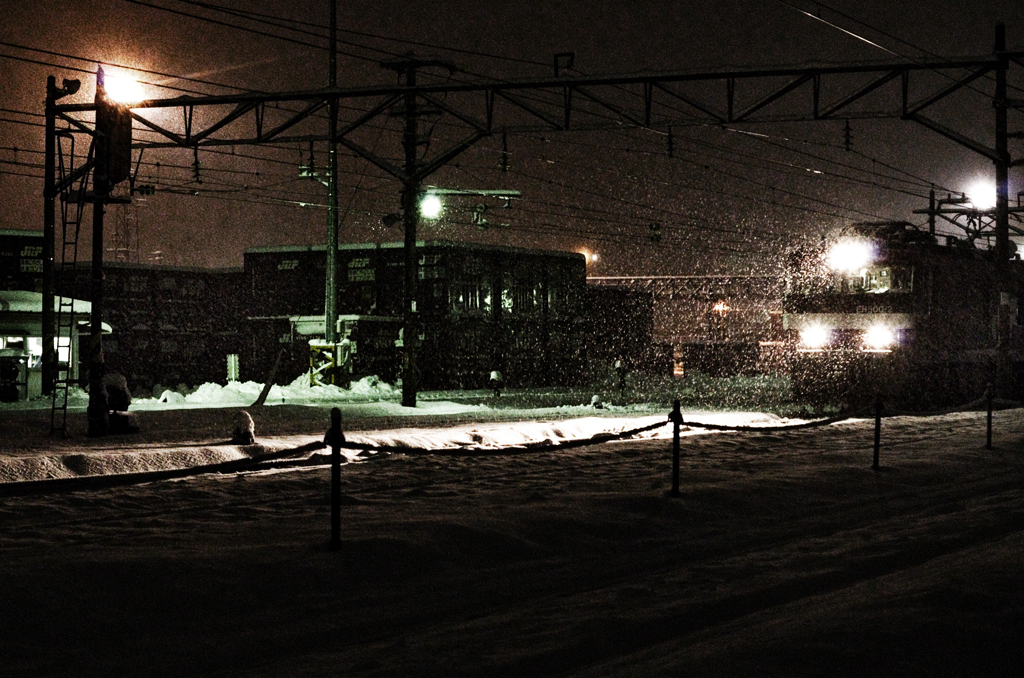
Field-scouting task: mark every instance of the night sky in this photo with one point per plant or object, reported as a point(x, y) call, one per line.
point(727, 200)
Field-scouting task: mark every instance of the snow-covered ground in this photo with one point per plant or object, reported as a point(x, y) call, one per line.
point(193, 428)
point(785, 553)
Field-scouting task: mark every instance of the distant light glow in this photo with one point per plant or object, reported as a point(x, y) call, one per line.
point(721, 307)
point(982, 194)
point(122, 89)
point(879, 338)
point(850, 255)
point(591, 257)
point(814, 336)
point(430, 207)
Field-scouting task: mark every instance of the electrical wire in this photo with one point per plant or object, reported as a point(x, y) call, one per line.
point(922, 183)
point(250, 13)
point(760, 184)
point(248, 30)
point(800, 169)
point(606, 117)
point(912, 60)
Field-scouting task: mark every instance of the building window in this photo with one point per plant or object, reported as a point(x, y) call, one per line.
point(470, 288)
point(522, 290)
point(193, 287)
point(136, 285)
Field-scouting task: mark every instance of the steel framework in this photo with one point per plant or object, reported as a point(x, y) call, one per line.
point(906, 91)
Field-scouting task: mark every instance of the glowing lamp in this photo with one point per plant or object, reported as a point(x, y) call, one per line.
point(982, 195)
point(815, 336)
point(879, 338)
point(850, 255)
point(123, 90)
point(430, 206)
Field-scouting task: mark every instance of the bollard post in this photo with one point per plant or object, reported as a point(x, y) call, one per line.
point(676, 417)
point(334, 437)
point(988, 430)
point(878, 429)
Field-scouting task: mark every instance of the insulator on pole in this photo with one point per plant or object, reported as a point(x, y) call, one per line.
point(504, 163)
point(654, 232)
point(195, 165)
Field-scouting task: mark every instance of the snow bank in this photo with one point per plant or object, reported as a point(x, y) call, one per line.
point(236, 394)
point(491, 436)
point(243, 394)
point(119, 461)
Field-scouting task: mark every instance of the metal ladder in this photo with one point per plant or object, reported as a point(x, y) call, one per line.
point(72, 204)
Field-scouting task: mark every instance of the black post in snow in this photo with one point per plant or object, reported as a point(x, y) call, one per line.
point(988, 429)
point(878, 429)
point(676, 417)
point(335, 438)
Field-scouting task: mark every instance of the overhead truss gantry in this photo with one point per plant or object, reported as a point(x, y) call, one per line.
point(908, 91)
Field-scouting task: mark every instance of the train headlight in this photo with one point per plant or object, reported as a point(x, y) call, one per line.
point(815, 336)
point(879, 338)
point(850, 255)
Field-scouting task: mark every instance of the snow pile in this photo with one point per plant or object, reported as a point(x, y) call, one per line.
point(372, 387)
point(490, 436)
point(243, 394)
point(110, 462)
point(236, 394)
point(498, 436)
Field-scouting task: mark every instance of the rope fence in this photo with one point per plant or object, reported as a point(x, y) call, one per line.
point(676, 418)
point(335, 440)
point(595, 439)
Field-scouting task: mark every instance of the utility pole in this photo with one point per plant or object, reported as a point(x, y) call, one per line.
point(411, 175)
point(97, 408)
point(931, 212)
point(113, 154)
point(410, 220)
point(331, 303)
point(1003, 154)
point(49, 358)
point(1004, 371)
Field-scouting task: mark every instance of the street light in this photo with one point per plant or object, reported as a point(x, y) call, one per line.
point(123, 90)
point(431, 206)
point(982, 194)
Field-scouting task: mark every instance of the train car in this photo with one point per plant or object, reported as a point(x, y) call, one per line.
point(479, 307)
point(169, 324)
point(887, 309)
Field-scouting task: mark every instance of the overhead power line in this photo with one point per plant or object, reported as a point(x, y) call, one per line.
point(92, 71)
point(249, 13)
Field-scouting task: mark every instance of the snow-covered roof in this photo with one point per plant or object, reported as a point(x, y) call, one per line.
point(20, 301)
point(419, 243)
point(19, 232)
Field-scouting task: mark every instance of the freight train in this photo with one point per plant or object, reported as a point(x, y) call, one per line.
point(888, 309)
